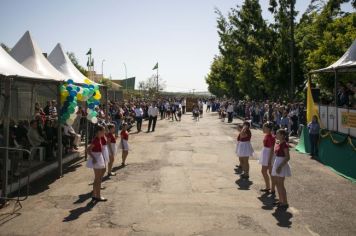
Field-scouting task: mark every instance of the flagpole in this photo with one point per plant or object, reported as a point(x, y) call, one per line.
point(157, 81)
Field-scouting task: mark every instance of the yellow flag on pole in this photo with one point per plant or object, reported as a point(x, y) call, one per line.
point(312, 109)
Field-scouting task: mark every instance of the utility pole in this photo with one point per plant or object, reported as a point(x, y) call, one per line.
point(125, 76)
point(292, 3)
point(157, 82)
point(102, 67)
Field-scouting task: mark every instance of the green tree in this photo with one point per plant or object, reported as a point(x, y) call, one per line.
point(75, 62)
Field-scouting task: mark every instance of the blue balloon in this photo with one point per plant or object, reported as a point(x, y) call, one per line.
point(85, 86)
point(69, 88)
point(78, 89)
point(70, 98)
point(91, 106)
point(97, 103)
point(91, 86)
point(72, 93)
point(70, 81)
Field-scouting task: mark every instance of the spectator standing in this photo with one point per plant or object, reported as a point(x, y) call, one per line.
point(152, 117)
point(314, 129)
point(184, 105)
point(138, 116)
point(230, 112)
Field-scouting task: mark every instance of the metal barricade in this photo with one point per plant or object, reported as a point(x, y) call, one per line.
point(14, 175)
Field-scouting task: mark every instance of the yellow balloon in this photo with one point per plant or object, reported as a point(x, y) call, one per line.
point(80, 97)
point(97, 96)
point(87, 81)
point(65, 94)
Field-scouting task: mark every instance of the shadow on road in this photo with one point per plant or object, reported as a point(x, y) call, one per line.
point(76, 213)
point(116, 168)
point(244, 184)
point(283, 217)
point(6, 217)
point(83, 197)
point(267, 201)
point(42, 184)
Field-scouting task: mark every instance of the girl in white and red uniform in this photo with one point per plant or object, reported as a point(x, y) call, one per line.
point(97, 163)
point(239, 129)
point(281, 168)
point(266, 158)
point(124, 143)
point(244, 149)
point(111, 142)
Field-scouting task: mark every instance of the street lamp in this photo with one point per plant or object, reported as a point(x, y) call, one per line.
point(102, 67)
point(125, 75)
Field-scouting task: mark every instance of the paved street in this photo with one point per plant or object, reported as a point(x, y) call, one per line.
point(180, 180)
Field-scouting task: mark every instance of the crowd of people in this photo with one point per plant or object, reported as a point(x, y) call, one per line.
point(346, 95)
point(283, 115)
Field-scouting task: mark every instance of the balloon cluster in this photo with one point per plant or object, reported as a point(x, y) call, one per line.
point(71, 94)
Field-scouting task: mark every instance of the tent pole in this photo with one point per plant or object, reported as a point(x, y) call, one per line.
point(336, 105)
point(86, 138)
point(106, 104)
point(31, 107)
point(59, 132)
point(7, 110)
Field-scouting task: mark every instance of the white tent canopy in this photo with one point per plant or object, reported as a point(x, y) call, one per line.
point(27, 53)
point(346, 63)
point(60, 60)
point(10, 67)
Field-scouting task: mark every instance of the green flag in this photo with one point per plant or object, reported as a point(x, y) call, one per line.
point(89, 52)
point(88, 62)
point(92, 62)
point(156, 66)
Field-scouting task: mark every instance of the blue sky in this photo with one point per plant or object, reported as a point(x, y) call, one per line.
point(180, 35)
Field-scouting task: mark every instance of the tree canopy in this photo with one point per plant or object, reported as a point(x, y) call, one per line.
point(255, 55)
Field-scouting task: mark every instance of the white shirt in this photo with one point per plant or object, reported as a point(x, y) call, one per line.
point(138, 112)
point(230, 108)
point(184, 102)
point(68, 130)
point(152, 111)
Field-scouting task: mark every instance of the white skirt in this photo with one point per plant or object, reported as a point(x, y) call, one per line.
point(99, 164)
point(285, 172)
point(244, 149)
point(124, 145)
point(113, 149)
point(265, 156)
point(105, 151)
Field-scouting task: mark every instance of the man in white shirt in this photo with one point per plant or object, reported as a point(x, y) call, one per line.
point(72, 135)
point(152, 117)
point(184, 104)
point(230, 111)
point(138, 115)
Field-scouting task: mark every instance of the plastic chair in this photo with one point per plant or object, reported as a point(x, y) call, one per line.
point(42, 152)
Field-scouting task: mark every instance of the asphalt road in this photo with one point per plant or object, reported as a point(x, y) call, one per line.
point(180, 180)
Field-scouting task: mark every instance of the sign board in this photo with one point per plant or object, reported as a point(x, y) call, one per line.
point(348, 119)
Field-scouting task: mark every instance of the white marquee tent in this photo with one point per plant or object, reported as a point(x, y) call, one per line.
point(346, 63)
point(10, 67)
point(27, 53)
point(60, 60)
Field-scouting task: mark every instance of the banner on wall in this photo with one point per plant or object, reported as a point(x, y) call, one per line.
point(348, 120)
